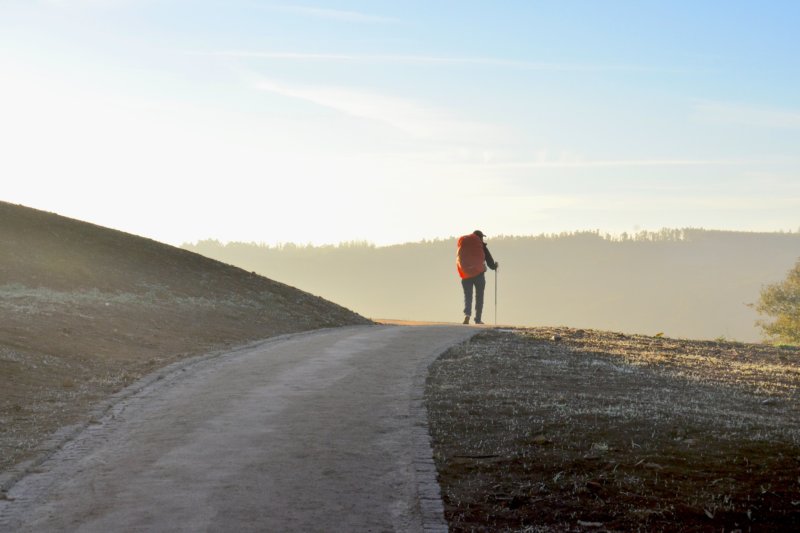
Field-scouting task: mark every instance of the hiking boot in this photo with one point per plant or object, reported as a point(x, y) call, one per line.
point(478, 321)
point(466, 320)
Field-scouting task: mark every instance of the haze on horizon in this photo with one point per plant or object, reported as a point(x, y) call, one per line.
point(388, 122)
point(695, 284)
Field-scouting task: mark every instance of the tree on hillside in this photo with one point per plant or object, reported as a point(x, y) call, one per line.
point(782, 301)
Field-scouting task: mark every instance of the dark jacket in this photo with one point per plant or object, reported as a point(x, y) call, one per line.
point(489, 259)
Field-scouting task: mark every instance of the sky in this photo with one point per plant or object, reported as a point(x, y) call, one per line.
point(322, 122)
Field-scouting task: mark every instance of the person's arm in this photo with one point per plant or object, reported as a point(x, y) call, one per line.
point(490, 262)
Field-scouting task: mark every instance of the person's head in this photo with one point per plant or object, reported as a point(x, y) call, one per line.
point(479, 233)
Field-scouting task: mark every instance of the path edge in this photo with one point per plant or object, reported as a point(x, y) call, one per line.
point(429, 494)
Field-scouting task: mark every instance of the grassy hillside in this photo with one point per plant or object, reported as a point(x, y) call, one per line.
point(685, 283)
point(85, 310)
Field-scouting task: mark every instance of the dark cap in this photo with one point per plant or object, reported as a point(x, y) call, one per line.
point(479, 233)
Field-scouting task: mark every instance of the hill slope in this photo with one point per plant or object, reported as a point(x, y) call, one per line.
point(85, 310)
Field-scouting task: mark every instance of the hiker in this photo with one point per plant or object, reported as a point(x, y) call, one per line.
point(471, 260)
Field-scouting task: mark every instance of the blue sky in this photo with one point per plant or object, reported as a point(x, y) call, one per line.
point(321, 122)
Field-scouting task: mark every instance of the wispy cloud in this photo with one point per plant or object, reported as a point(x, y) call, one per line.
point(610, 163)
point(763, 117)
point(86, 3)
point(400, 113)
point(332, 14)
point(704, 203)
point(432, 60)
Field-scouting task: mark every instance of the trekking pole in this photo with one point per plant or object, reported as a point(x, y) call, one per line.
point(495, 296)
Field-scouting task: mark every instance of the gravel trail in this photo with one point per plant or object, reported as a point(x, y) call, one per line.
point(312, 432)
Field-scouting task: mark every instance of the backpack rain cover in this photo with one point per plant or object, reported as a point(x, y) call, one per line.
point(470, 258)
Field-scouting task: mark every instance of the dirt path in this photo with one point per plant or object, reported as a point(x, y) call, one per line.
point(307, 433)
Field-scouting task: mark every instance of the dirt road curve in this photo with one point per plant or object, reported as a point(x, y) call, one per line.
point(314, 432)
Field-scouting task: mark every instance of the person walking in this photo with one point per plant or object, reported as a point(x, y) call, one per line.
point(472, 258)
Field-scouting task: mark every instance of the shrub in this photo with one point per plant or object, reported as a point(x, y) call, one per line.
point(782, 301)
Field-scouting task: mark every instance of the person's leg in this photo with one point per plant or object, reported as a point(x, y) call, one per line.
point(480, 285)
point(467, 285)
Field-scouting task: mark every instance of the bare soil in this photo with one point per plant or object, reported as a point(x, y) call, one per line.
point(86, 310)
point(557, 429)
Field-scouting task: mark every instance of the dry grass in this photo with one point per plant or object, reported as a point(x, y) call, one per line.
point(571, 430)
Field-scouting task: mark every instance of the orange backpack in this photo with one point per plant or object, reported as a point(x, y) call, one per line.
point(470, 258)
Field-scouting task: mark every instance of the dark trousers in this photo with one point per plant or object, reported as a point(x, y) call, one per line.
point(479, 282)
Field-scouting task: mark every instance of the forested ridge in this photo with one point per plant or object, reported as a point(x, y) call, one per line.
point(692, 283)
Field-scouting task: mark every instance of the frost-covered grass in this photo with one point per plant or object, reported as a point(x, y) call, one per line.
point(554, 428)
point(17, 298)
